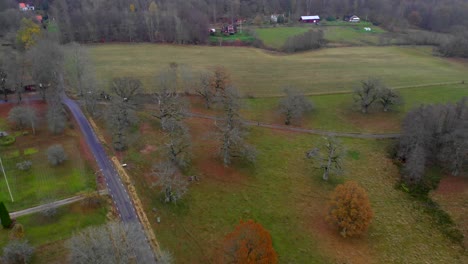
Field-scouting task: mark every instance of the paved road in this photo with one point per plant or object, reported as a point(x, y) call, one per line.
point(117, 190)
point(119, 194)
point(305, 130)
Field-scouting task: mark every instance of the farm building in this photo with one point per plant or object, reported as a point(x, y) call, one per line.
point(310, 19)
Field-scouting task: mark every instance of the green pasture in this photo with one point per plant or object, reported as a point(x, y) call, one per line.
point(335, 32)
point(41, 230)
point(43, 182)
point(353, 35)
point(338, 112)
point(260, 73)
point(287, 196)
point(277, 36)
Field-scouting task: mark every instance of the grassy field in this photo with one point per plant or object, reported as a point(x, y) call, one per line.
point(353, 35)
point(276, 37)
point(336, 33)
point(48, 235)
point(43, 183)
point(338, 112)
point(260, 73)
point(288, 198)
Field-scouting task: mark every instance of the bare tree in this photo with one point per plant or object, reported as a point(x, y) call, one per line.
point(178, 146)
point(367, 94)
point(437, 135)
point(231, 131)
point(121, 114)
point(56, 118)
point(23, 116)
point(204, 89)
point(14, 67)
point(127, 89)
point(16, 252)
point(171, 181)
point(47, 64)
point(112, 243)
point(56, 154)
point(328, 158)
point(220, 80)
point(80, 73)
point(170, 105)
point(294, 105)
point(388, 98)
point(3, 82)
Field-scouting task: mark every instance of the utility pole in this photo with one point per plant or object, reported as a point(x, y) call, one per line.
point(6, 180)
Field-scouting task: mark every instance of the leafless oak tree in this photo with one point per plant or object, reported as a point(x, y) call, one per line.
point(328, 158)
point(367, 94)
point(231, 131)
point(112, 243)
point(171, 181)
point(294, 105)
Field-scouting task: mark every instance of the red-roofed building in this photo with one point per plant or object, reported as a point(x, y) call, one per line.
point(25, 7)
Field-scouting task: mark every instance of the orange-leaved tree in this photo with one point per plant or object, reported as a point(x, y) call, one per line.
point(350, 209)
point(249, 243)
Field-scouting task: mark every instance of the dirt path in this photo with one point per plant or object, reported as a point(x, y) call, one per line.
point(305, 130)
point(55, 204)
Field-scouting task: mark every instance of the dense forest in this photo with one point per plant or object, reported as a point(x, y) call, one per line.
point(187, 21)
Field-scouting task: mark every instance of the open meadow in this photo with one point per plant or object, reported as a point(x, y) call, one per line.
point(337, 34)
point(287, 196)
point(261, 73)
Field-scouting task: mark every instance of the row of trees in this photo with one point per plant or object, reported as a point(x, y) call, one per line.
point(187, 21)
point(434, 135)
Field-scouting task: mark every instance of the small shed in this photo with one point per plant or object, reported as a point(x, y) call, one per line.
point(3, 134)
point(310, 19)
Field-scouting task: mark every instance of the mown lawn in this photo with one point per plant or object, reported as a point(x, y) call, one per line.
point(43, 182)
point(335, 32)
point(353, 35)
point(276, 37)
point(260, 73)
point(52, 233)
point(338, 112)
point(287, 196)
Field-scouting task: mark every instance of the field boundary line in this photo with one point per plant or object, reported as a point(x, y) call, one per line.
point(305, 130)
point(350, 91)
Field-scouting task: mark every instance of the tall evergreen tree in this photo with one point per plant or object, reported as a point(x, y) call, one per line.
point(5, 216)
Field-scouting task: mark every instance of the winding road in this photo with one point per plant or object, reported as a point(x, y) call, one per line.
point(118, 192)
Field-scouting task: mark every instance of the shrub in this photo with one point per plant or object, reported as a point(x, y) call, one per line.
point(7, 140)
point(307, 41)
point(56, 155)
point(17, 252)
point(331, 18)
point(350, 209)
point(248, 243)
point(17, 232)
point(24, 166)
